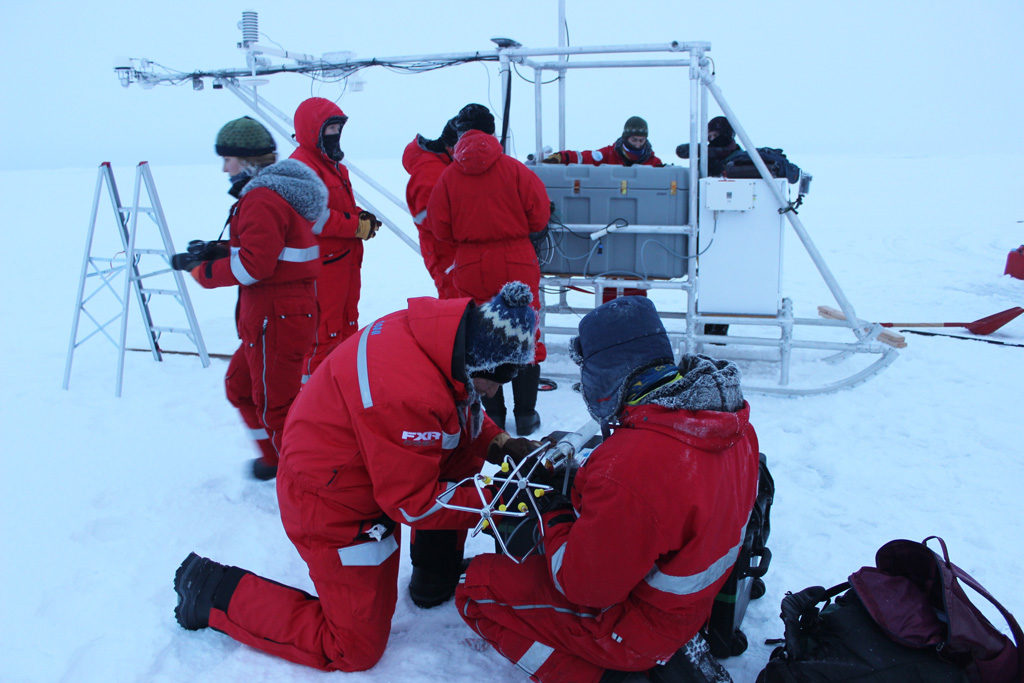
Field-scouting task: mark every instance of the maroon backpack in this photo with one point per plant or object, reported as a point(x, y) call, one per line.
point(906, 619)
point(915, 597)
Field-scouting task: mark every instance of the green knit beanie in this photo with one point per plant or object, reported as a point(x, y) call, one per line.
point(634, 126)
point(244, 137)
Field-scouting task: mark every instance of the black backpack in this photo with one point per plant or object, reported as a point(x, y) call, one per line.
point(908, 619)
point(739, 165)
point(746, 582)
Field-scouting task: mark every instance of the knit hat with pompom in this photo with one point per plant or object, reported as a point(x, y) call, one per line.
point(501, 331)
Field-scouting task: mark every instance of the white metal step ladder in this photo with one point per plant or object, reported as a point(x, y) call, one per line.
point(106, 270)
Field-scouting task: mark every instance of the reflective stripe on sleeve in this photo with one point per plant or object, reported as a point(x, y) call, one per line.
point(420, 217)
point(258, 434)
point(443, 498)
point(369, 554)
point(450, 441)
point(556, 565)
point(694, 583)
point(597, 155)
point(535, 657)
point(238, 270)
point(293, 255)
point(361, 371)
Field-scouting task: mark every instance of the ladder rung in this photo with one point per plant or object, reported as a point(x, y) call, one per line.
point(177, 330)
point(150, 251)
point(140, 209)
point(172, 292)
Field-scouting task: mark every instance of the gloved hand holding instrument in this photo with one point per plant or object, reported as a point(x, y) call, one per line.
point(200, 251)
point(522, 493)
point(368, 226)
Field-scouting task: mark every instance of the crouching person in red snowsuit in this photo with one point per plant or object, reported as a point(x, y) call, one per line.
point(425, 160)
point(632, 563)
point(374, 439)
point(318, 124)
point(272, 256)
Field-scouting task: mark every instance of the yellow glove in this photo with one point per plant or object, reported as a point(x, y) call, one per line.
point(555, 158)
point(368, 226)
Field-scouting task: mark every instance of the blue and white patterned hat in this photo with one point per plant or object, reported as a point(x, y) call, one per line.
point(501, 331)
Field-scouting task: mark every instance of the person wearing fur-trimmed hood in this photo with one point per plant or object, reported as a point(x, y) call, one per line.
point(632, 560)
point(273, 259)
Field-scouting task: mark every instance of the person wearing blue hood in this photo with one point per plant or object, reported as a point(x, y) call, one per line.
point(633, 558)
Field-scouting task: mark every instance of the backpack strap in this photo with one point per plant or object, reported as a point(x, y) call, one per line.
point(959, 573)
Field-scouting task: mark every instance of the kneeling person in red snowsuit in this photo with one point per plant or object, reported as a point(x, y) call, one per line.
point(272, 256)
point(375, 437)
point(632, 563)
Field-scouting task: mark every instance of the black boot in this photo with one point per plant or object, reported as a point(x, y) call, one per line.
point(495, 407)
point(693, 663)
point(524, 392)
point(437, 565)
point(262, 471)
point(202, 584)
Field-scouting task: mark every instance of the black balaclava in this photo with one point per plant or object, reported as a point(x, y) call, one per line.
point(331, 144)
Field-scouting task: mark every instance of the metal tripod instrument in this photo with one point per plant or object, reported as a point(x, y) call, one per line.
point(517, 492)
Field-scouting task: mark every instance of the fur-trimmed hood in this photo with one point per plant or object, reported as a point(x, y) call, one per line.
point(704, 384)
point(296, 183)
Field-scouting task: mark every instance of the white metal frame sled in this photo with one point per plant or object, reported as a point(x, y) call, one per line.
point(704, 228)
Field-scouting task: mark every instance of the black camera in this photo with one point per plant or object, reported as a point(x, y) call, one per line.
point(199, 251)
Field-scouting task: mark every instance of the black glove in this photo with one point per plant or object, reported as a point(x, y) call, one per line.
point(368, 226)
point(199, 251)
point(185, 261)
point(683, 151)
point(503, 445)
point(555, 509)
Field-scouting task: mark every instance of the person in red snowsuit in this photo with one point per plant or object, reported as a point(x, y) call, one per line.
point(487, 205)
point(632, 563)
point(375, 438)
point(273, 258)
point(632, 148)
point(318, 124)
point(425, 160)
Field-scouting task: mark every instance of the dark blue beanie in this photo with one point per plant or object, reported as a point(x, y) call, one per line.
point(617, 340)
point(474, 117)
point(501, 331)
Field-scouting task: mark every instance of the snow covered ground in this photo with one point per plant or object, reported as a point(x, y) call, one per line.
point(101, 497)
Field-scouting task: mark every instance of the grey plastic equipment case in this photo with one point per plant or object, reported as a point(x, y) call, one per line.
point(588, 198)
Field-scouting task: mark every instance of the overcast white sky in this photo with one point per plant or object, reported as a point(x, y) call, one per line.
point(911, 74)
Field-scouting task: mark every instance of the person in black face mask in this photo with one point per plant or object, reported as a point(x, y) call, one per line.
point(318, 125)
point(721, 144)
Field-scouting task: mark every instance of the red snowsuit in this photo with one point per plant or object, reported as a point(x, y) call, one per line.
point(605, 155)
point(274, 260)
point(662, 505)
point(369, 439)
point(341, 252)
point(487, 204)
point(424, 169)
